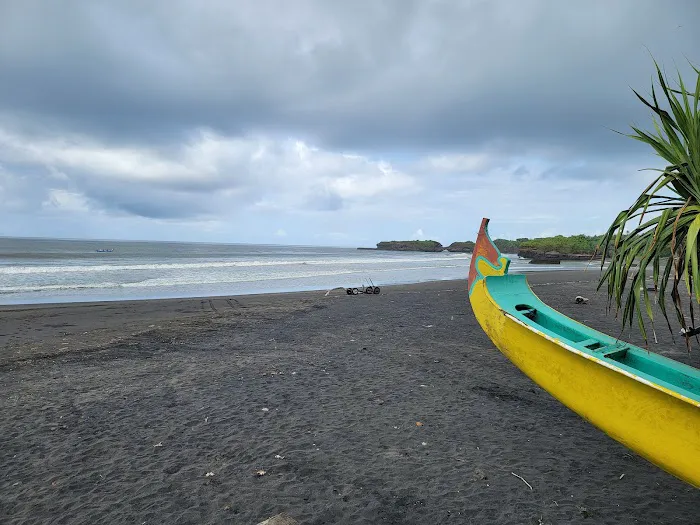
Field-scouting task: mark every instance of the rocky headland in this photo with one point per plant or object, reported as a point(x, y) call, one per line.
point(423, 246)
point(536, 256)
point(553, 257)
point(410, 246)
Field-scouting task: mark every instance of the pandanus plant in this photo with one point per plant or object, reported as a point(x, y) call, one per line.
point(665, 218)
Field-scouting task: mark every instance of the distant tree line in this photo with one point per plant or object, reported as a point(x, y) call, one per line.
point(574, 244)
point(507, 246)
point(585, 244)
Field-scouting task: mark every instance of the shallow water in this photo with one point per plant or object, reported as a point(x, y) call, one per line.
point(50, 270)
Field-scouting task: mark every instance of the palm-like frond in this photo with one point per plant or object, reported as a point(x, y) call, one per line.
point(665, 238)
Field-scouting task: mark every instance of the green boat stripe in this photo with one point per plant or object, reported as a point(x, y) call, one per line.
point(514, 296)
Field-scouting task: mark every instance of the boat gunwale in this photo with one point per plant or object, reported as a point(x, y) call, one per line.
point(658, 384)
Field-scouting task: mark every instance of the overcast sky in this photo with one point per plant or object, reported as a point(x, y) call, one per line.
point(327, 122)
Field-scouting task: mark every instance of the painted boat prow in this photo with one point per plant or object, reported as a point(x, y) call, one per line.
point(649, 403)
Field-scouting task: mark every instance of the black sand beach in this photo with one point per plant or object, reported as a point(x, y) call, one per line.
point(164, 411)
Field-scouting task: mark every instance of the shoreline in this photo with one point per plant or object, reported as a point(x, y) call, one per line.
point(49, 303)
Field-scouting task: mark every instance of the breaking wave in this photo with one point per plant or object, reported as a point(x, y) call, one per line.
point(84, 268)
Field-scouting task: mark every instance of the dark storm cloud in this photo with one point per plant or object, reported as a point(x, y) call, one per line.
point(400, 75)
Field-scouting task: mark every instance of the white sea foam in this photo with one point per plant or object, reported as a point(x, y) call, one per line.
point(83, 268)
point(55, 287)
point(189, 279)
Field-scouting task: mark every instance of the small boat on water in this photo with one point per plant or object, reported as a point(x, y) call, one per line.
point(647, 402)
point(104, 250)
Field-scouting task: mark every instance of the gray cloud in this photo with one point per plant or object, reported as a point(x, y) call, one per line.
point(390, 75)
point(166, 111)
point(323, 199)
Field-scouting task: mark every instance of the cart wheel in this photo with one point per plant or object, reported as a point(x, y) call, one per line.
point(376, 290)
point(349, 291)
point(369, 290)
point(355, 291)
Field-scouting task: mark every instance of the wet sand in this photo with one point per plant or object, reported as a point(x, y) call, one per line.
point(164, 411)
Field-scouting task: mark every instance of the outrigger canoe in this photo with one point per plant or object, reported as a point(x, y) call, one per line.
point(649, 403)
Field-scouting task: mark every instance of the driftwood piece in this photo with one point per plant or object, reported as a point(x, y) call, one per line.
point(280, 519)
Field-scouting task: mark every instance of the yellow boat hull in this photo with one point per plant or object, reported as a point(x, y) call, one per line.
point(658, 423)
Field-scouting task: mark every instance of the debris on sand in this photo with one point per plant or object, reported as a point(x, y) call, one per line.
point(581, 300)
point(523, 479)
point(280, 519)
point(480, 474)
point(690, 332)
point(260, 473)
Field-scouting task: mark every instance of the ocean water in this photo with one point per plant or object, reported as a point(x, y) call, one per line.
point(50, 270)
